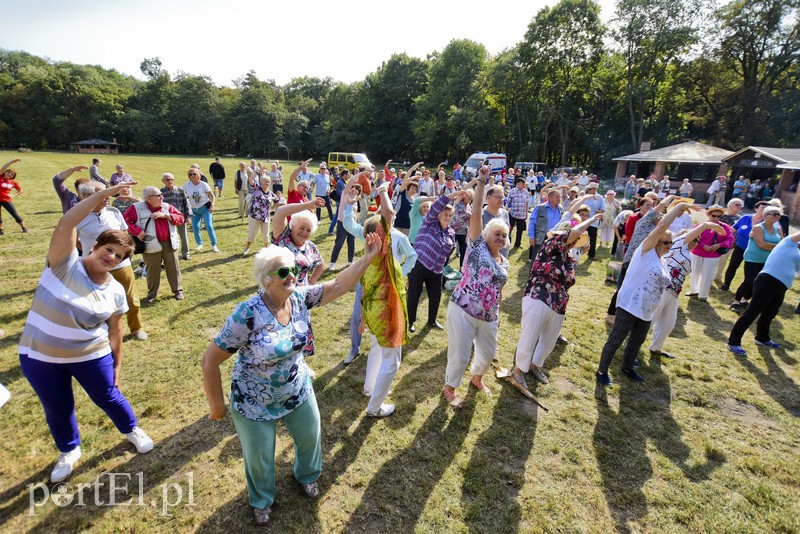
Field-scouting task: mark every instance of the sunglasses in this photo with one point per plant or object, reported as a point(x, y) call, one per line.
point(666, 242)
point(190, 174)
point(159, 196)
point(284, 272)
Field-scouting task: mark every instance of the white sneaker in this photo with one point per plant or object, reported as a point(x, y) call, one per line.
point(385, 411)
point(350, 358)
point(332, 267)
point(141, 440)
point(215, 249)
point(198, 248)
point(246, 251)
point(63, 468)
point(141, 335)
point(540, 376)
point(4, 395)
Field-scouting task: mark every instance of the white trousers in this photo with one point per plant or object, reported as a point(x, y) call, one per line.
point(723, 261)
point(702, 274)
point(664, 320)
point(606, 234)
point(540, 329)
point(382, 365)
point(253, 226)
point(463, 333)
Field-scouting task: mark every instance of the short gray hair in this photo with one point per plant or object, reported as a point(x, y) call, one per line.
point(87, 189)
point(267, 260)
point(168, 175)
point(733, 201)
point(306, 216)
point(492, 225)
point(772, 209)
point(150, 190)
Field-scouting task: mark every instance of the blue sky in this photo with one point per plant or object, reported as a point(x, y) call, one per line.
point(279, 40)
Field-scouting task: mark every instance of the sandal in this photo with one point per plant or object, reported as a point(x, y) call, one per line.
point(311, 490)
point(262, 515)
point(451, 399)
point(483, 388)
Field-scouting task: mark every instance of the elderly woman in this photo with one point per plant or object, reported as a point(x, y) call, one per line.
point(462, 214)
point(7, 183)
point(434, 243)
point(544, 303)
point(120, 176)
point(473, 313)
point(73, 330)
point(612, 209)
point(295, 237)
point(706, 255)
point(742, 228)
point(258, 211)
point(404, 196)
point(201, 200)
point(764, 237)
point(686, 188)
point(270, 381)
point(155, 222)
point(104, 217)
point(639, 297)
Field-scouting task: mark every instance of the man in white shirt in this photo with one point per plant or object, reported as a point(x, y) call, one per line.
point(716, 192)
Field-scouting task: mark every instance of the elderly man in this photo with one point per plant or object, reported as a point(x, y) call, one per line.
point(120, 176)
point(102, 218)
point(596, 206)
point(544, 218)
point(201, 200)
point(517, 202)
point(176, 197)
point(297, 191)
point(154, 222)
point(716, 192)
point(322, 186)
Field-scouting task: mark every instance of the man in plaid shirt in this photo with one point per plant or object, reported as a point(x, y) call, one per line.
point(176, 197)
point(517, 203)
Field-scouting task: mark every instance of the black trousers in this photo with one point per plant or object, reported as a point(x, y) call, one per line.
point(9, 206)
point(418, 276)
point(612, 306)
point(736, 259)
point(327, 205)
point(520, 225)
point(592, 231)
point(745, 289)
point(461, 241)
point(614, 245)
point(768, 293)
point(341, 236)
point(625, 323)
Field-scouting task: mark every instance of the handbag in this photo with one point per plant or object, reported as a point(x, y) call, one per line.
point(721, 250)
point(140, 245)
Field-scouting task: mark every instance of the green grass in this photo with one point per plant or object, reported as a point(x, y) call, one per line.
point(708, 443)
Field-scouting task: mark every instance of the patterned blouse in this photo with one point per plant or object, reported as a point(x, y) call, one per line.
point(307, 257)
point(478, 291)
point(552, 274)
point(270, 378)
point(461, 215)
point(260, 203)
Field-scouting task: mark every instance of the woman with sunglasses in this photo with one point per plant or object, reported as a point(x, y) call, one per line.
point(7, 183)
point(638, 298)
point(679, 262)
point(201, 200)
point(706, 254)
point(764, 237)
point(272, 334)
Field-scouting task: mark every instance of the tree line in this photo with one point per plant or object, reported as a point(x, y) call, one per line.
point(573, 91)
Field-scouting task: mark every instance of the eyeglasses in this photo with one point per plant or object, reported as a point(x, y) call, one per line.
point(159, 196)
point(773, 214)
point(284, 272)
point(190, 174)
point(168, 179)
point(714, 216)
point(666, 242)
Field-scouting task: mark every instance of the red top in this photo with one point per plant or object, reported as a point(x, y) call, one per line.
point(5, 188)
point(293, 197)
point(162, 225)
point(630, 226)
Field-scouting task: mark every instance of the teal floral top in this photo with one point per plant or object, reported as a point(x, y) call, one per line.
point(270, 378)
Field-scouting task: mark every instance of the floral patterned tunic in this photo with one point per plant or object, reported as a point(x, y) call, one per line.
point(260, 203)
point(461, 215)
point(552, 274)
point(307, 257)
point(270, 377)
point(482, 280)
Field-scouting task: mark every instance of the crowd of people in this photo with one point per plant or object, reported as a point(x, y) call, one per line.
point(413, 226)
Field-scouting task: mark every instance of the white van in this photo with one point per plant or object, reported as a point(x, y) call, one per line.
point(496, 160)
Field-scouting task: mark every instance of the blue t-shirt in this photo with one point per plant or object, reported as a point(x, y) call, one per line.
point(783, 262)
point(743, 228)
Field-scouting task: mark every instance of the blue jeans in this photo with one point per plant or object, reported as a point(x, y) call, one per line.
point(355, 321)
point(52, 382)
point(205, 214)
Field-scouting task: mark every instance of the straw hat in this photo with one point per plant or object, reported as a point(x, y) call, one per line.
point(714, 208)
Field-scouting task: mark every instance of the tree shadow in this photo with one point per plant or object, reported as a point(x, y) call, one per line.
point(620, 441)
point(411, 476)
point(714, 326)
point(775, 383)
point(496, 471)
point(233, 296)
point(212, 263)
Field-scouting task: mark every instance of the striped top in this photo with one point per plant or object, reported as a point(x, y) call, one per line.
point(67, 320)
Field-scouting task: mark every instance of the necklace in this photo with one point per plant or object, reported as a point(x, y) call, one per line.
point(274, 311)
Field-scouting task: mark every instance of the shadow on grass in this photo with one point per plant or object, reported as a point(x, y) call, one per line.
point(208, 264)
point(714, 326)
point(496, 471)
point(169, 457)
point(234, 296)
point(775, 382)
point(22, 293)
point(620, 441)
point(411, 476)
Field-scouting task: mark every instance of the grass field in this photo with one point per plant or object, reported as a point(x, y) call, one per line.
point(710, 443)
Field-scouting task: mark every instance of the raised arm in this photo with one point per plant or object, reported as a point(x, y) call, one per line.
point(663, 225)
point(64, 236)
point(293, 177)
point(577, 230)
point(386, 205)
point(9, 164)
point(695, 232)
point(346, 280)
point(279, 221)
point(577, 203)
point(476, 219)
point(63, 175)
point(407, 177)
